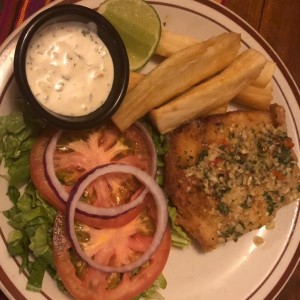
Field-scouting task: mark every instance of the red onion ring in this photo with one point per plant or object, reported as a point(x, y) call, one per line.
point(151, 145)
point(50, 175)
point(158, 196)
point(85, 208)
point(61, 193)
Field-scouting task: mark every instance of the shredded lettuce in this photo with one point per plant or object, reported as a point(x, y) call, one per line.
point(179, 238)
point(17, 136)
point(30, 216)
point(32, 219)
point(152, 293)
point(161, 147)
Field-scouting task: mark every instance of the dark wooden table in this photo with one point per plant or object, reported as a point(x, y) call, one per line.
point(279, 23)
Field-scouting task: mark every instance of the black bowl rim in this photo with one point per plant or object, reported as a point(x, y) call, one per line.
point(115, 46)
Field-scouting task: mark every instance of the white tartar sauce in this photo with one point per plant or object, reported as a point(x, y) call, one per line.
point(69, 69)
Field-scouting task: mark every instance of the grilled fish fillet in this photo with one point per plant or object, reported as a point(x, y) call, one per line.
point(230, 173)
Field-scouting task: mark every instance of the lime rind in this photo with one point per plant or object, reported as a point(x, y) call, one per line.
point(136, 11)
point(138, 24)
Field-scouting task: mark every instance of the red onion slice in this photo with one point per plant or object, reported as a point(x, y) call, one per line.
point(151, 145)
point(62, 194)
point(158, 196)
point(53, 181)
point(85, 208)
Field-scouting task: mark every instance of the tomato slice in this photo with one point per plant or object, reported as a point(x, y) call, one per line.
point(80, 151)
point(113, 246)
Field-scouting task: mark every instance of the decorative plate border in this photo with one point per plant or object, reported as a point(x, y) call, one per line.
point(7, 282)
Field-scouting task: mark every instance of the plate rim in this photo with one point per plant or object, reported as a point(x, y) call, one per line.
point(11, 290)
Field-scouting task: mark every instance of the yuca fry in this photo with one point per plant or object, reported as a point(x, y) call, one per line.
point(218, 110)
point(171, 42)
point(213, 93)
point(255, 97)
point(134, 79)
point(176, 74)
point(268, 87)
point(266, 75)
point(252, 96)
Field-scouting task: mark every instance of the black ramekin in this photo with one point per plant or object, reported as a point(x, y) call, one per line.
point(113, 42)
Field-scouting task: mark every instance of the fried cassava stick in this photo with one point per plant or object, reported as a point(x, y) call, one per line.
point(256, 97)
point(211, 94)
point(176, 74)
point(265, 76)
point(171, 42)
point(135, 78)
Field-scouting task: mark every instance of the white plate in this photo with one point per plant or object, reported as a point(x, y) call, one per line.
point(234, 271)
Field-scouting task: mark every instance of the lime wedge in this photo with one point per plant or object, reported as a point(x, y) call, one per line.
point(139, 26)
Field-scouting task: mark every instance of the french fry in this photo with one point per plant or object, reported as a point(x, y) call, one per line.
point(213, 93)
point(171, 42)
point(256, 97)
point(266, 75)
point(176, 74)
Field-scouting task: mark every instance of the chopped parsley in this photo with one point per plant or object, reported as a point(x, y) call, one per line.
point(223, 208)
point(247, 202)
point(203, 154)
point(271, 204)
